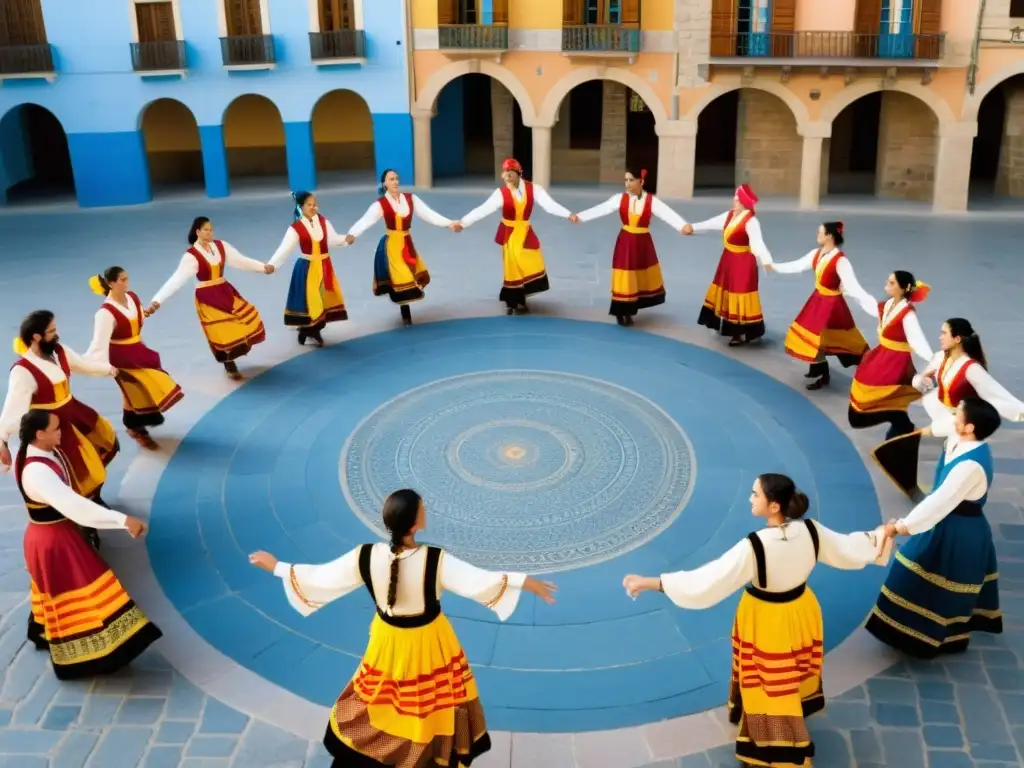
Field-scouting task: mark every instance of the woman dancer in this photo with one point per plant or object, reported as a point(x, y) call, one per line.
point(412, 649)
point(778, 634)
point(732, 305)
point(146, 388)
point(314, 295)
point(883, 384)
point(398, 269)
point(958, 371)
point(636, 272)
point(231, 324)
point(825, 325)
point(522, 260)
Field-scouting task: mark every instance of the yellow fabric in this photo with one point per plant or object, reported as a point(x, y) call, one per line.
point(518, 263)
point(96, 285)
point(823, 264)
point(225, 330)
point(19, 347)
point(633, 229)
point(628, 285)
point(738, 308)
point(147, 390)
point(402, 277)
point(734, 224)
point(806, 346)
point(208, 283)
point(102, 438)
point(868, 399)
point(315, 284)
point(131, 340)
point(895, 346)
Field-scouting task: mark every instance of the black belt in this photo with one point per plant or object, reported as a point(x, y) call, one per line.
point(776, 597)
point(967, 509)
point(409, 622)
point(45, 515)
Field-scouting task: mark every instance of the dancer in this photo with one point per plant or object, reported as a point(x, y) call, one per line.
point(825, 325)
point(231, 324)
point(777, 636)
point(944, 583)
point(732, 305)
point(147, 390)
point(413, 649)
point(882, 387)
point(80, 612)
point(398, 269)
point(959, 370)
point(636, 272)
point(314, 295)
point(522, 260)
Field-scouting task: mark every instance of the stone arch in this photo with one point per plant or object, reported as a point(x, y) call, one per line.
point(973, 102)
point(797, 107)
point(561, 89)
point(35, 158)
point(437, 81)
point(830, 110)
point(174, 150)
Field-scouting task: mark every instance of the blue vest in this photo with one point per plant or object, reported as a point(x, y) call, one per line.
point(981, 454)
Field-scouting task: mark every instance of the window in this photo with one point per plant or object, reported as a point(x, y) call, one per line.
point(244, 18)
point(1017, 9)
point(155, 22)
point(21, 23)
point(602, 12)
point(337, 14)
point(468, 12)
point(897, 17)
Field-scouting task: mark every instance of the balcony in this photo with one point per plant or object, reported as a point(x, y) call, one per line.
point(158, 57)
point(601, 41)
point(339, 46)
point(248, 51)
point(826, 49)
point(472, 40)
point(26, 61)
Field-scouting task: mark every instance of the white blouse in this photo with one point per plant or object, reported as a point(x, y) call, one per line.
point(188, 267)
point(291, 240)
point(965, 482)
point(753, 228)
point(636, 206)
point(789, 561)
point(21, 385)
point(497, 200)
point(848, 280)
point(103, 327)
point(401, 208)
point(321, 584)
point(911, 325)
point(44, 486)
point(943, 420)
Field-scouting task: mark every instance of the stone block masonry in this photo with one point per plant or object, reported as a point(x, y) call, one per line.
point(502, 123)
point(613, 132)
point(907, 143)
point(693, 40)
point(769, 152)
point(1010, 177)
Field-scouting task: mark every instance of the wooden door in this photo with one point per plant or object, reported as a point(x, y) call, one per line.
point(155, 22)
point(336, 15)
point(572, 13)
point(723, 27)
point(783, 28)
point(244, 18)
point(928, 25)
point(21, 23)
point(629, 13)
point(866, 26)
point(499, 12)
point(447, 12)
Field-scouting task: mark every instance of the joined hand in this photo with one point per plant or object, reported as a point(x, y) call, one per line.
point(349, 239)
point(456, 226)
point(574, 218)
point(268, 269)
point(687, 229)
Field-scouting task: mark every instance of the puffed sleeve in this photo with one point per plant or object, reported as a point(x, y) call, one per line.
point(187, 269)
point(850, 551)
point(103, 327)
point(236, 259)
point(311, 587)
point(966, 481)
point(20, 389)
point(498, 591)
point(284, 250)
point(796, 266)
point(486, 208)
point(608, 207)
point(712, 583)
point(41, 484)
point(1009, 407)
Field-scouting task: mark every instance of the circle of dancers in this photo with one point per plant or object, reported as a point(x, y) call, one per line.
point(413, 700)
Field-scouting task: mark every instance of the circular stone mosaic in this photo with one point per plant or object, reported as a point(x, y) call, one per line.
point(533, 471)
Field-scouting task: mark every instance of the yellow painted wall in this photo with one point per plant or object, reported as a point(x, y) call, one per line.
point(169, 126)
point(253, 121)
point(657, 15)
point(341, 117)
point(424, 14)
point(535, 14)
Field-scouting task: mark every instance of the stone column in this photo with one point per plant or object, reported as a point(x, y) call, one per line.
point(677, 151)
point(542, 155)
point(502, 117)
point(423, 158)
point(613, 132)
point(953, 166)
point(814, 135)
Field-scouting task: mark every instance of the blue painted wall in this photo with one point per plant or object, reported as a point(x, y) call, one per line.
point(15, 161)
point(447, 134)
point(99, 99)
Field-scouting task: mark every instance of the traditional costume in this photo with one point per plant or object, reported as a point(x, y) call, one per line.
point(147, 389)
point(398, 269)
point(636, 272)
point(949, 381)
point(732, 305)
point(231, 324)
point(413, 700)
point(87, 439)
point(944, 582)
point(883, 384)
point(314, 294)
point(524, 273)
point(777, 637)
point(80, 612)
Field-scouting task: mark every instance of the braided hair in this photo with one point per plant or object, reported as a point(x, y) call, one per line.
point(401, 510)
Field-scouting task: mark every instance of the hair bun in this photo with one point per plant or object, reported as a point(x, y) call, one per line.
point(798, 506)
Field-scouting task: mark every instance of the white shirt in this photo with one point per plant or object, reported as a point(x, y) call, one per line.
point(44, 486)
point(911, 325)
point(321, 584)
point(848, 280)
point(21, 385)
point(104, 324)
point(188, 267)
point(636, 206)
point(965, 482)
point(497, 200)
point(944, 420)
point(316, 232)
point(789, 560)
point(753, 229)
point(401, 208)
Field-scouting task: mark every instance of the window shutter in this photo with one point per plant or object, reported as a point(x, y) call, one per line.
point(499, 11)
point(783, 28)
point(723, 27)
point(447, 12)
point(165, 22)
point(928, 25)
point(868, 20)
point(630, 12)
point(23, 22)
point(572, 13)
point(253, 18)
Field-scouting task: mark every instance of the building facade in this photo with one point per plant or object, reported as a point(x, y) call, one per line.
point(123, 97)
point(906, 99)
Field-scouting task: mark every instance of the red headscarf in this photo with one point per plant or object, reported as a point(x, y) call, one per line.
point(919, 292)
point(746, 197)
point(511, 164)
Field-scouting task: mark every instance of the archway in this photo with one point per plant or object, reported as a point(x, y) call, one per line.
point(35, 162)
point(748, 136)
point(884, 144)
point(343, 137)
point(254, 139)
point(477, 125)
point(173, 148)
point(997, 162)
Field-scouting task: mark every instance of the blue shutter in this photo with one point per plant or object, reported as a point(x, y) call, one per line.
point(896, 34)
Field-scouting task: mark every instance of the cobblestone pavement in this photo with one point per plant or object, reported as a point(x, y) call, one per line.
point(967, 711)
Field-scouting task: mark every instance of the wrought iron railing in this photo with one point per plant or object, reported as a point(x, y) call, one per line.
point(158, 56)
point(239, 50)
point(473, 37)
point(337, 44)
point(600, 38)
point(828, 45)
point(26, 59)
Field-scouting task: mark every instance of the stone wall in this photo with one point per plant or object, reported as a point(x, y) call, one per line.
point(613, 132)
point(1010, 176)
point(604, 165)
point(907, 144)
point(769, 151)
point(693, 40)
point(502, 123)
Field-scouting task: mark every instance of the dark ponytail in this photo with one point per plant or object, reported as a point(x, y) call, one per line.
point(401, 510)
point(834, 229)
point(781, 490)
point(32, 423)
point(197, 223)
point(381, 189)
point(970, 342)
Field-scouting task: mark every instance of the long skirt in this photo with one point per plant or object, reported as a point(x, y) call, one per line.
point(943, 585)
point(146, 388)
point(899, 459)
point(825, 327)
point(777, 653)
point(80, 612)
point(882, 388)
point(231, 324)
point(732, 305)
point(413, 703)
point(523, 270)
point(636, 274)
point(89, 442)
point(314, 295)
point(392, 274)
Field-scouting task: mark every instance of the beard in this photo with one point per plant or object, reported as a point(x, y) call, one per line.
point(48, 348)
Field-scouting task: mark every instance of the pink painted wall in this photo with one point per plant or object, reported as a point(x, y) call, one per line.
point(825, 15)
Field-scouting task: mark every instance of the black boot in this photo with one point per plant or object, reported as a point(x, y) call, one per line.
point(510, 308)
point(821, 372)
point(302, 337)
point(901, 425)
point(406, 315)
point(232, 370)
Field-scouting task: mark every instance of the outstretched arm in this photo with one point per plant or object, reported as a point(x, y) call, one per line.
point(666, 214)
point(852, 287)
point(796, 266)
point(608, 207)
point(498, 591)
point(915, 337)
point(1009, 407)
point(103, 327)
point(706, 586)
point(757, 244)
point(853, 551)
point(42, 485)
point(965, 481)
point(87, 366)
point(310, 587)
point(423, 211)
point(545, 201)
point(714, 224)
point(187, 269)
point(372, 216)
point(284, 250)
point(486, 208)
point(237, 260)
